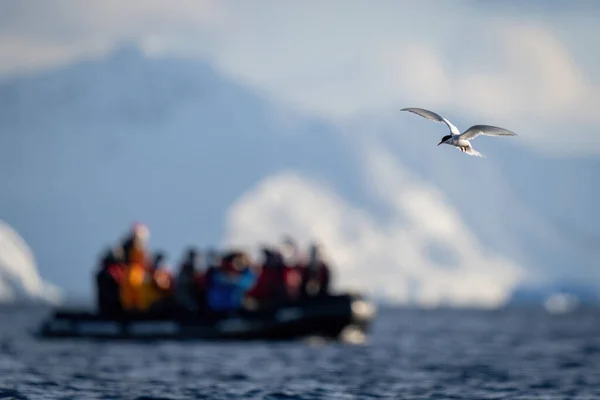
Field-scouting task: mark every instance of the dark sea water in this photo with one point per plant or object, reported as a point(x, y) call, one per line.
point(518, 354)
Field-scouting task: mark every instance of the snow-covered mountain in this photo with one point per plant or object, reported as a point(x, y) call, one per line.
point(19, 278)
point(88, 148)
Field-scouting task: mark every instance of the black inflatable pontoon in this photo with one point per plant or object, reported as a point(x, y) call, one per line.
point(333, 316)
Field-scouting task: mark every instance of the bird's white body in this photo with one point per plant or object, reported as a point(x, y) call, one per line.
point(458, 139)
point(463, 145)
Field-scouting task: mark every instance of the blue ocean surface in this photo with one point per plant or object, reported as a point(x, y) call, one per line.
point(410, 354)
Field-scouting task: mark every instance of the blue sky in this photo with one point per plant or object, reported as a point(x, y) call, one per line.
point(527, 65)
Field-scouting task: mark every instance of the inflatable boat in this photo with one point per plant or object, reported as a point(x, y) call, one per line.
point(345, 317)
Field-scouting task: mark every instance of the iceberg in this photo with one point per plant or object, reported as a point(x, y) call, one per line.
point(20, 281)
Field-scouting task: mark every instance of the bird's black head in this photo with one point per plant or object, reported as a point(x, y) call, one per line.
point(444, 139)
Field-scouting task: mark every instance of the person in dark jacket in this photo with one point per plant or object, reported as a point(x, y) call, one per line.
point(108, 281)
point(316, 278)
point(187, 286)
point(213, 263)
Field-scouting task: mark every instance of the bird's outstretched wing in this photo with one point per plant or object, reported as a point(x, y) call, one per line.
point(486, 130)
point(430, 115)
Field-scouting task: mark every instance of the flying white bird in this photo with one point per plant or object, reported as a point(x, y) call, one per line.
point(461, 140)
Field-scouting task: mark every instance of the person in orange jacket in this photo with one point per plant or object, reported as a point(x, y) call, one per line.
point(137, 265)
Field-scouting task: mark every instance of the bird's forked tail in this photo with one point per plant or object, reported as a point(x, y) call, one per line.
point(472, 152)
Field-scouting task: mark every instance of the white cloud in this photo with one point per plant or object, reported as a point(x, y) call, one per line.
point(391, 259)
point(340, 59)
point(27, 55)
point(37, 35)
point(528, 82)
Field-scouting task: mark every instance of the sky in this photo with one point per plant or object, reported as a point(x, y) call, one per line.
point(523, 65)
point(528, 66)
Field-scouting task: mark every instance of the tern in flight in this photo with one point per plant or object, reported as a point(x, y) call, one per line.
point(461, 140)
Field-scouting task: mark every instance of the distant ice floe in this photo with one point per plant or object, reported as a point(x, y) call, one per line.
point(20, 281)
point(559, 303)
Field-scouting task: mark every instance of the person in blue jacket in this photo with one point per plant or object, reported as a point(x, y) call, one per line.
point(230, 282)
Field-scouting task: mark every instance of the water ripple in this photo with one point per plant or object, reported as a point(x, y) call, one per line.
point(409, 355)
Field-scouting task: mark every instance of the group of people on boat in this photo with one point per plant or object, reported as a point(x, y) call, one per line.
point(131, 279)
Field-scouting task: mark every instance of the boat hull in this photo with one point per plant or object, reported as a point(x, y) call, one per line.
point(329, 317)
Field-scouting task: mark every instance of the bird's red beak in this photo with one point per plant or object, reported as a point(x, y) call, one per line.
point(440, 142)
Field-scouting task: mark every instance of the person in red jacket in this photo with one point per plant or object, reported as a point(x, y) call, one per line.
point(270, 287)
point(293, 268)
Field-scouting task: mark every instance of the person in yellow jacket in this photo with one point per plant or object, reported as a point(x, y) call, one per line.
point(157, 285)
point(137, 265)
